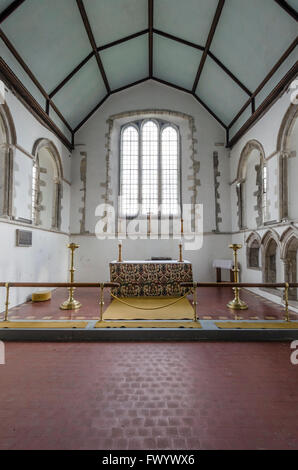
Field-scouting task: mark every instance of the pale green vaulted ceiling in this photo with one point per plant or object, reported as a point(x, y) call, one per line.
point(71, 55)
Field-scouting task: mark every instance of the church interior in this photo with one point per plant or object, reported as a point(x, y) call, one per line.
point(148, 224)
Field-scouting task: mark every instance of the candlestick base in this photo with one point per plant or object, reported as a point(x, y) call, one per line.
point(70, 304)
point(237, 303)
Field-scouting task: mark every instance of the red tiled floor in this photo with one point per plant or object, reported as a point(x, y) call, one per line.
point(211, 302)
point(148, 396)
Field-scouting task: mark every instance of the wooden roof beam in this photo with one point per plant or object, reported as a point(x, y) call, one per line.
point(93, 43)
point(150, 43)
point(32, 77)
point(214, 24)
point(290, 10)
point(10, 9)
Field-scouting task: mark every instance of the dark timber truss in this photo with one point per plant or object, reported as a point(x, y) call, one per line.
point(10, 79)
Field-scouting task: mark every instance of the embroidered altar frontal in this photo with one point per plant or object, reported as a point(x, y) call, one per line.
point(150, 278)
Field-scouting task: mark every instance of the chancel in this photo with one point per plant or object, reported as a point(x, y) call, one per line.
point(149, 204)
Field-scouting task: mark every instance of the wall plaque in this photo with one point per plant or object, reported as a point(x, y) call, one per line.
point(23, 237)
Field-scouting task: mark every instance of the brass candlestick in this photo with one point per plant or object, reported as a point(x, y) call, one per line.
point(120, 253)
point(286, 299)
point(180, 253)
point(71, 303)
point(236, 303)
point(101, 301)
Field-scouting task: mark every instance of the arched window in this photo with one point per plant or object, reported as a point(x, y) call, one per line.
point(129, 185)
point(149, 169)
point(252, 185)
point(264, 192)
point(169, 171)
point(7, 141)
point(35, 192)
point(46, 186)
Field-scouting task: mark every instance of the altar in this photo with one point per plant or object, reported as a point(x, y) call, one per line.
point(150, 278)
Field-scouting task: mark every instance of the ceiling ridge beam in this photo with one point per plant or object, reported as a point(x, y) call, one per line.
point(185, 90)
point(71, 74)
point(121, 40)
point(35, 108)
point(150, 42)
point(269, 100)
point(159, 80)
point(214, 24)
point(266, 79)
point(290, 10)
point(10, 9)
point(137, 82)
point(176, 38)
point(33, 78)
point(93, 43)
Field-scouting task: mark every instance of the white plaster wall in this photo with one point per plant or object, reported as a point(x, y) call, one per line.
point(65, 208)
point(47, 259)
point(22, 185)
point(94, 255)
point(265, 131)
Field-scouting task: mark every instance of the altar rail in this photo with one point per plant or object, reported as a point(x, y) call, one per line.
point(191, 285)
point(283, 285)
point(100, 285)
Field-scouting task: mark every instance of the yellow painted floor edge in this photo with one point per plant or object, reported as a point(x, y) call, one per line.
point(147, 324)
point(258, 325)
point(39, 324)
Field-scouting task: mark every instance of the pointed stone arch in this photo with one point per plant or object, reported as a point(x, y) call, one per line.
point(253, 246)
point(286, 128)
point(51, 147)
point(283, 148)
point(270, 258)
point(286, 238)
point(250, 146)
point(289, 252)
point(247, 150)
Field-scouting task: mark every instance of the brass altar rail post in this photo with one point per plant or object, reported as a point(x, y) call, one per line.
point(283, 285)
point(101, 302)
point(6, 301)
point(8, 285)
point(195, 301)
point(287, 315)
